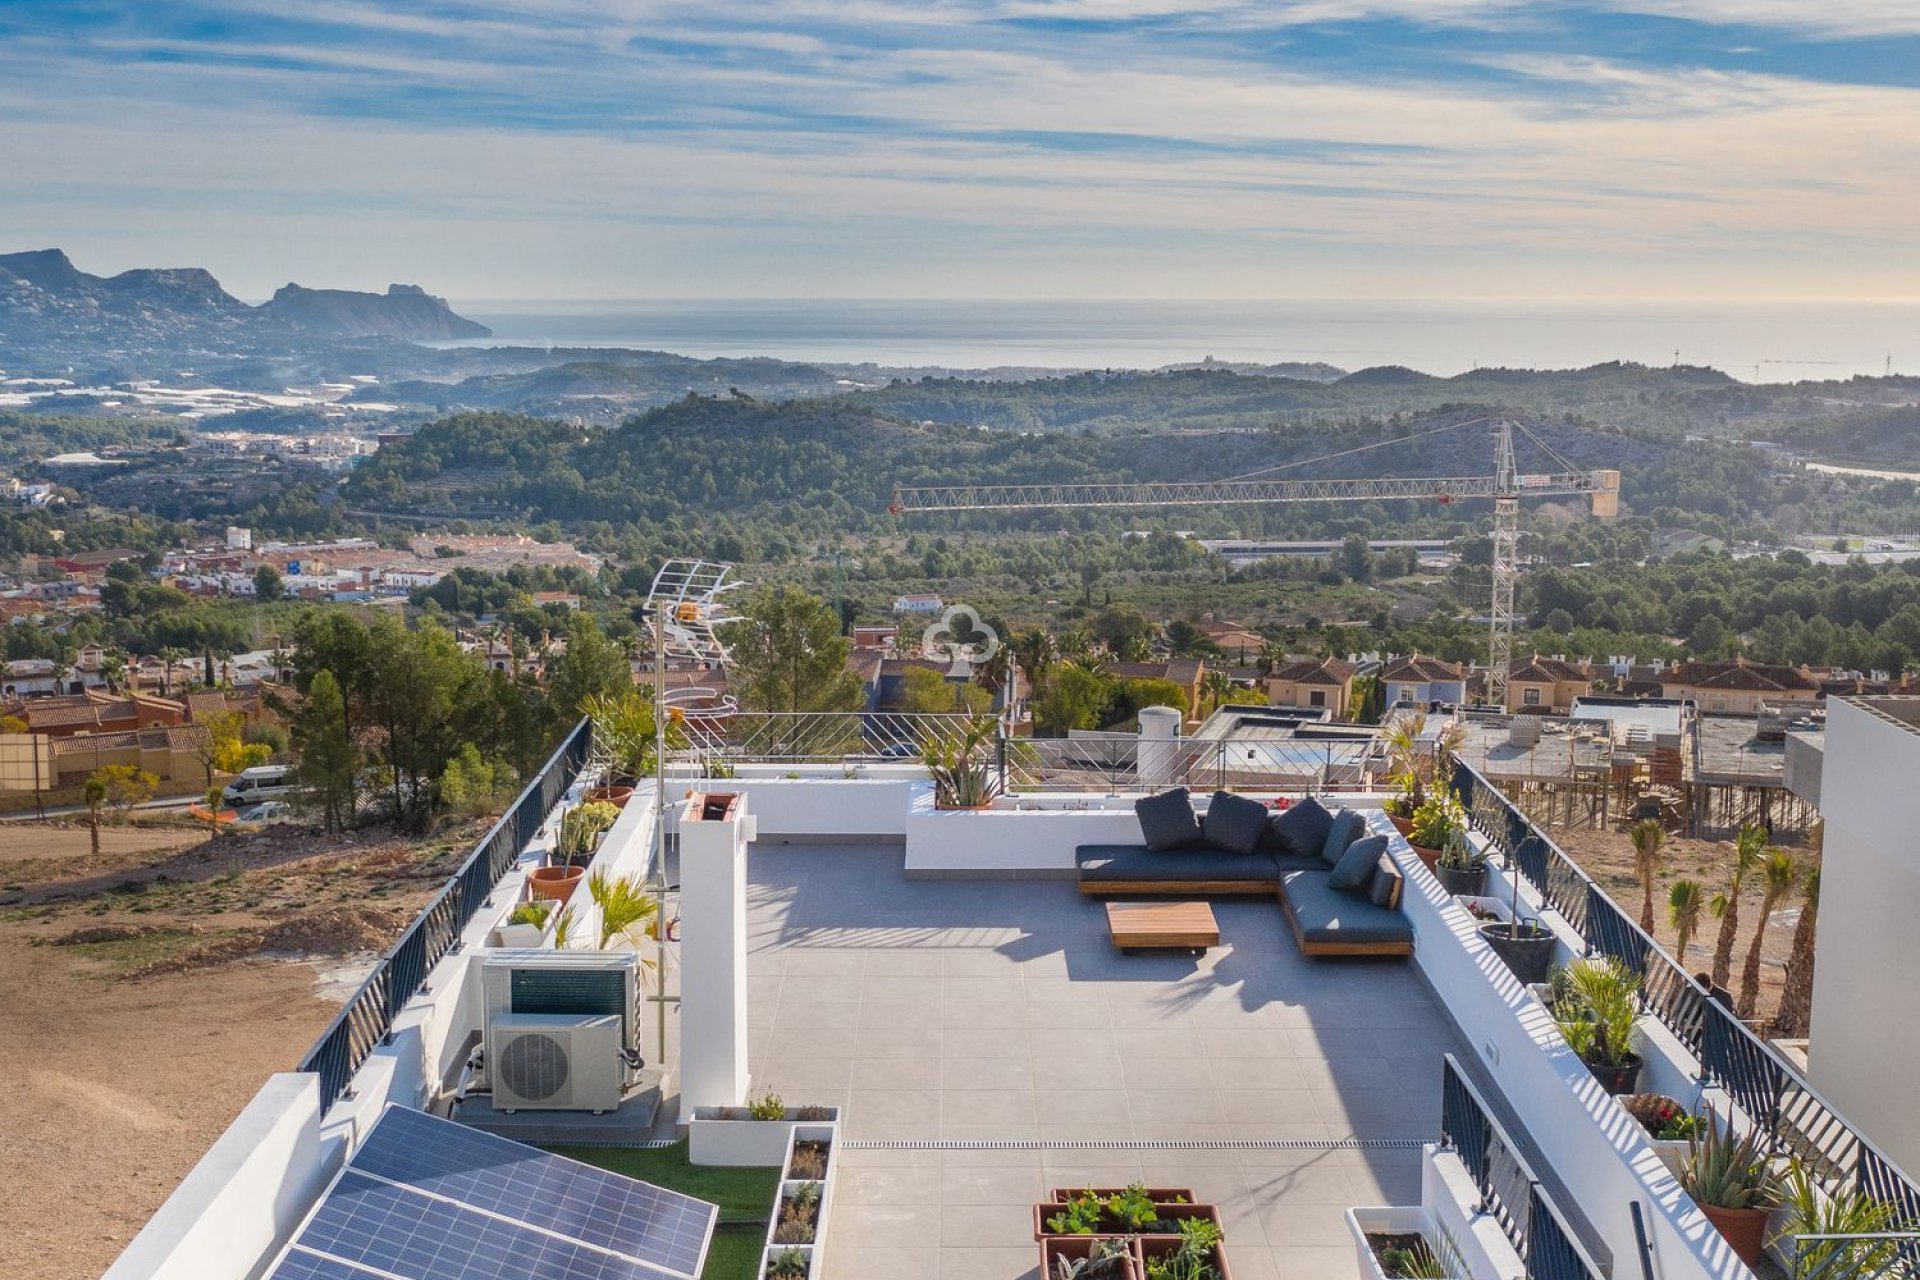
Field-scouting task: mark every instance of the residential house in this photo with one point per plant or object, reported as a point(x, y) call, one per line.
point(1546, 686)
point(1741, 687)
point(1311, 682)
point(876, 636)
point(1422, 681)
point(171, 753)
point(919, 604)
point(67, 717)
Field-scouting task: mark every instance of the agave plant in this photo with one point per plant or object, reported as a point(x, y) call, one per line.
point(963, 771)
point(1728, 1172)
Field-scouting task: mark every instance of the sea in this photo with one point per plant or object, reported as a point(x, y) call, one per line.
point(1763, 341)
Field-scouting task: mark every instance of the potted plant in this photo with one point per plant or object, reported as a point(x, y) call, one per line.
point(1733, 1182)
point(1434, 823)
point(1397, 1241)
point(1461, 868)
point(1596, 1011)
point(526, 925)
point(1863, 1232)
point(962, 767)
point(1525, 946)
point(1414, 765)
point(1670, 1126)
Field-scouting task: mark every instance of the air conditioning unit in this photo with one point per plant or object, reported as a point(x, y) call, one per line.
point(545, 994)
point(555, 1062)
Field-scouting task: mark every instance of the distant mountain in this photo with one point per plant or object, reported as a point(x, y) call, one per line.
point(51, 311)
point(403, 311)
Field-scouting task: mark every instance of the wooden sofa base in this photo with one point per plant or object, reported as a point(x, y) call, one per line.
point(1178, 888)
point(1339, 948)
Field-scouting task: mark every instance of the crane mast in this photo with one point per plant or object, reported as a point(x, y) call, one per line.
point(1506, 486)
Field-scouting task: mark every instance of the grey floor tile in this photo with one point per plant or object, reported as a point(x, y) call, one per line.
point(906, 1072)
point(884, 1264)
point(1005, 1186)
point(1156, 1112)
point(1007, 1263)
point(1082, 1106)
point(1311, 1263)
point(960, 1074)
point(884, 1185)
point(883, 1226)
point(986, 1113)
point(990, 1226)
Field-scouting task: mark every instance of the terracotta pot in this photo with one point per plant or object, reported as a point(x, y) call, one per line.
point(1055, 1248)
point(1402, 825)
point(557, 883)
point(615, 796)
point(1429, 858)
point(1745, 1231)
point(1159, 1248)
point(1159, 1195)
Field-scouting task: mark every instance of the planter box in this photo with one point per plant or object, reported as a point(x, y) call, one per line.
point(1485, 909)
point(759, 1143)
point(813, 1266)
point(1152, 1247)
point(809, 1131)
point(1388, 1219)
point(523, 936)
point(1073, 1248)
point(1168, 1212)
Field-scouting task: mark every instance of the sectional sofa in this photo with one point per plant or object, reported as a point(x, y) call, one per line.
point(1337, 884)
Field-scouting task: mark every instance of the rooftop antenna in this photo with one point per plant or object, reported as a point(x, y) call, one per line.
point(684, 605)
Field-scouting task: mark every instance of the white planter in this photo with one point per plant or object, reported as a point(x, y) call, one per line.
point(522, 935)
point(1485, 909)
point(1386, 1218)
point(757, 1143)
point(830, 1134)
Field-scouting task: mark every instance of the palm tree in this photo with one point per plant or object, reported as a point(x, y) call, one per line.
point(1748, 848)
point(1782, 872)
point(1795, 1017)
point(1686, 901)
point(1033, 649)
point(1647, 835)
point(95, 793)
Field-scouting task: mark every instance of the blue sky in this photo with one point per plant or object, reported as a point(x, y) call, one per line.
point(1002, 148)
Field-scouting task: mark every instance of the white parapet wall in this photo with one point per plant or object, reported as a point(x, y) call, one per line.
point(244, 1197)
point(1601, 1155)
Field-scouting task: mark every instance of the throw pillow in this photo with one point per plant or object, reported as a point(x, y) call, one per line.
point(1301, 829)
point(1234, 823)
point(1347, 827)
point(1167, 821)
point(1356, 864)
point(1384, 885)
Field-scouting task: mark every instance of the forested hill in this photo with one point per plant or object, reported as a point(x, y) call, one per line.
point(1628, 394)
point(831, 464)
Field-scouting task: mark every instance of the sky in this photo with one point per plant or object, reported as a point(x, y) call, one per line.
point(601, 149)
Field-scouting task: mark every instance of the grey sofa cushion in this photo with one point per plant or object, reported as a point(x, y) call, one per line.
point(1119, 862)
point(1356, 864)
point(1347, 827)
point(1234, 822)
point(1327, 914)
point(1167, 821)
point(1300, 829)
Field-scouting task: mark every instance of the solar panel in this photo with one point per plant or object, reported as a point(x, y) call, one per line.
point(428, 1199)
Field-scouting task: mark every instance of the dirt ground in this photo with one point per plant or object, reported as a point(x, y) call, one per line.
point(147, 993)
point(1607, 856)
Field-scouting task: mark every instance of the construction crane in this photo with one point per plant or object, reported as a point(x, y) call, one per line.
point(1506, 486)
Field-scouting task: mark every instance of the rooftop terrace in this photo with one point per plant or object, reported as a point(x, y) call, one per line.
point(987, 1041)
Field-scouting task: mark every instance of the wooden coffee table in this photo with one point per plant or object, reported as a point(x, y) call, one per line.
point(1162, 926)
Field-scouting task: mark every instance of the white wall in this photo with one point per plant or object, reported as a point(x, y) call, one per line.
point(1865, 1039)
point(825, 805)
point(1599, 1154)
point(245, 1196)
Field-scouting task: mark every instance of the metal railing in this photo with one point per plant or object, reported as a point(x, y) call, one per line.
point(1509, 1191)
point(364, 1021)
point(1096, 762)
point(1769, 1091)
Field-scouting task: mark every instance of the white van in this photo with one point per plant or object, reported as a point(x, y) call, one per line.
point(262, 782)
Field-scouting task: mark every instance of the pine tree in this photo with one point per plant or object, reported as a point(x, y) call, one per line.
point(328, 758)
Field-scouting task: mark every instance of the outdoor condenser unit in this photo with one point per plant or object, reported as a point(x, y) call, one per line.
point(555, 1062)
